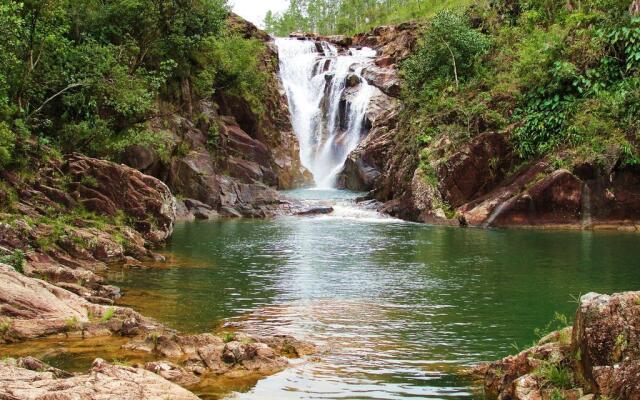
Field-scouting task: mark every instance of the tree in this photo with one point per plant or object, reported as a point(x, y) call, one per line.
point(449, 49)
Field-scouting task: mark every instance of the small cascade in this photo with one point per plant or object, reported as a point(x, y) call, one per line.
point(328, 99)
point(496, 212)
point(587, 221)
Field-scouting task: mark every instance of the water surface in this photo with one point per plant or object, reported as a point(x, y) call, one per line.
point(397, 308)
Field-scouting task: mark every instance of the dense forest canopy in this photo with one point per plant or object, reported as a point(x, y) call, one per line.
point(351, 16)
point(88, 75)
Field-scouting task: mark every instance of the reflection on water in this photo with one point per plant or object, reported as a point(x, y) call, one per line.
point(396, 308)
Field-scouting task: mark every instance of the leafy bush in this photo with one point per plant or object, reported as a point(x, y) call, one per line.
point(106, 317)
point(87, 75)
point(15, 259)
point(231, 63)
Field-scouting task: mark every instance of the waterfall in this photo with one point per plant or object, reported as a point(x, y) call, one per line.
point(328, 99)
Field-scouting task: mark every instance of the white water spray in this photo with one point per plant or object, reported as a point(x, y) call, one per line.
point(328, 99)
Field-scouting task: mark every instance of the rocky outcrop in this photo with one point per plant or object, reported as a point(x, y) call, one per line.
point(394, 42)
point(371, 166)
point(108, 188)
point(32, 308)
point(73, 216)
point(606, 335)
point(365, 167)
point(598, 356)
point(236, 355)
point(25, 381)
point(478, 180)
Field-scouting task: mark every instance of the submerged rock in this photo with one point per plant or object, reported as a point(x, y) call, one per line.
point(315, 210)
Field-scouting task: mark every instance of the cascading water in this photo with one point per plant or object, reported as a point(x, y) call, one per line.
point(328, 99)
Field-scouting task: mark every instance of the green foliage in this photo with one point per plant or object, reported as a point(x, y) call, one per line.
point(449, 50)
point(559, 322)
point(228, 337)
point(237, 61)
point(86, 75)
point(71, 324)
point(7, 145)
point(15, 259)
point(563, 80)
point(213, 140)
point(554, 375)
point(106, 317)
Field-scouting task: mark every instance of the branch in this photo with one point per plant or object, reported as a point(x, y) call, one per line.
point(73, 85)
point(453, 57)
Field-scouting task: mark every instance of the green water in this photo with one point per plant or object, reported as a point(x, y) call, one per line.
point(396, 307)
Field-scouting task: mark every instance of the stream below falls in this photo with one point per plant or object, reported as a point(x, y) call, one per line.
point(398, 309)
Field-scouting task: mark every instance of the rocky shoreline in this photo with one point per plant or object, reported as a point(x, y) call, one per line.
point(68, 221)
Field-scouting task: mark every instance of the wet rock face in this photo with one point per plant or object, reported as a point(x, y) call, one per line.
point(601, 354)
point(475, 169)
point(370, 166)
point(104, 381)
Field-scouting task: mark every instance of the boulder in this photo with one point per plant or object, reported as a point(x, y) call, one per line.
point(194, 176)
point(475, 169)
point(315, 210)
point(242, 355)
point(607, 333)
point(620, 381)
point(385, 79)
point(365, 166)
point(553, 200)
point(31, 308)
point(601, 352)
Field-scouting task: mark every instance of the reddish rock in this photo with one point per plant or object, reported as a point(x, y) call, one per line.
point(475, 169)
point(365, 166)
point(246, 171)
point(104, 381)
point(554, 200)
point(620, 381)
point(107, 188)
point(385, 79)
point(606, 331)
